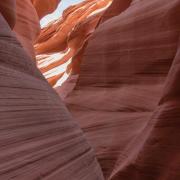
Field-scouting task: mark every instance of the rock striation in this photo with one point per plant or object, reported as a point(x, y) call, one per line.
point(38, 137)
point(121, 63)
point(126, 98)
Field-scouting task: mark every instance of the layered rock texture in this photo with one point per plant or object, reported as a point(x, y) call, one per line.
point(60, 45)
point(121, 63)
point(38, 137)
point(127, 95)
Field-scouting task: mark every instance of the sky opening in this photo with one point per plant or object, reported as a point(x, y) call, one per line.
point(58, 12)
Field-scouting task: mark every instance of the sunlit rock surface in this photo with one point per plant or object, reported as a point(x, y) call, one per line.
point(127, 96)
point(38, 137)
point(61, 43)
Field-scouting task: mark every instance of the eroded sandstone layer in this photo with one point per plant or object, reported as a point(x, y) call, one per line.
point(127, 95)
point(38, 137)
point(123, 90)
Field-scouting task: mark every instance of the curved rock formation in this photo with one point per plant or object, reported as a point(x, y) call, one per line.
point(45, 7)
point(8, 11)
point(38, 138)
point(124, 93)
point(61, 41)
point(127, 98)
point(115, 9)
point(27, 27)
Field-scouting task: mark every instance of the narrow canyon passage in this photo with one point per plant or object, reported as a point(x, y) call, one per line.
point(89, 90)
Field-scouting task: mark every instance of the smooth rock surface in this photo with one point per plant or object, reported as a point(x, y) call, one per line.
point(27, 27)
point(8, 11)
point(117, 7)
point(45, 7)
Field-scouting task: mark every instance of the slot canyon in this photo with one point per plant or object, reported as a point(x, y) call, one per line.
point(93, 94)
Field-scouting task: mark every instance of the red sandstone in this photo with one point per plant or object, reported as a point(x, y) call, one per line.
point(122, 89)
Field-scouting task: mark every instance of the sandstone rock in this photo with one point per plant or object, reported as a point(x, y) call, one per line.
point(124, 92)
point(45, 7)
point(117, 7)
point(8, 11)
point(27, 26)
point(60, 45)
point(38, 138)
point(126, 100)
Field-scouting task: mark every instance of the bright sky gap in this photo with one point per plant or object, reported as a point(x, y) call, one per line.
point(58, 12)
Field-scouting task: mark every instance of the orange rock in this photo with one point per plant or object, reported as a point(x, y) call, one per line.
point(45, 7)
point(60, 42)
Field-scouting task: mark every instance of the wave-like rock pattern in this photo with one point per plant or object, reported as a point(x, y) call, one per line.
point(38, 137)
point(60, 45)
point(127, 97)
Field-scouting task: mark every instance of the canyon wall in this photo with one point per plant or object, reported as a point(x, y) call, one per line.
point(8, 11)
point(127, 95)
point(38, 137)
point(27, 27)
point(115, 9)
point(121, 67)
